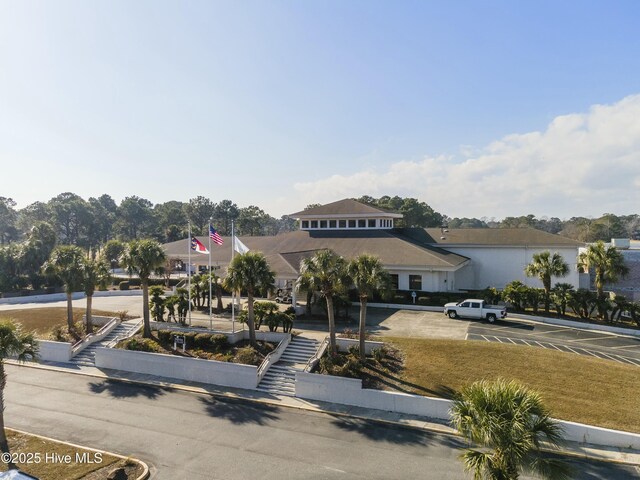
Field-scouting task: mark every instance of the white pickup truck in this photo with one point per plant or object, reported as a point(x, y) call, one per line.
point(474, 308)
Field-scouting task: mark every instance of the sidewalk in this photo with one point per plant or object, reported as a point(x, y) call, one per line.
point(614, 455)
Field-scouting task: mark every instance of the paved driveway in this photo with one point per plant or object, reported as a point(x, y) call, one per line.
point(618, 348)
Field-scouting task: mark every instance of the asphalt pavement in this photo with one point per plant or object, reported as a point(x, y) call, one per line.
point(182, 434)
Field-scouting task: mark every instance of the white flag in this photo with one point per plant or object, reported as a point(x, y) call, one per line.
point(238, 246)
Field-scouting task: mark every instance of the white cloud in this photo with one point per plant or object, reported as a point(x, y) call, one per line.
point(582, 164)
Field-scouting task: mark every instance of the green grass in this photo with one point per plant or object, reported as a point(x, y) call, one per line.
point(42, 320)
point(575, 388)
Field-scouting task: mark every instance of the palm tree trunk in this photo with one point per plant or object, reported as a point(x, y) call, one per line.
point(70, 325)
point(219, 297)
point(252, 327)
point(89, 320)
point(308, 305)
point(146, 333)
point(332, 326)
point(4, 445)
point(363, 323)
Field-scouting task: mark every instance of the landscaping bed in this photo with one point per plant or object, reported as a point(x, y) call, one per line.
point(47, 459)
point(200, 345)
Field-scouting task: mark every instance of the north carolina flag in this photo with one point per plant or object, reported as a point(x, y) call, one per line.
point(198, 246)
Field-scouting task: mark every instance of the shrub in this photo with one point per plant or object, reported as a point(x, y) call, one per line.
point(247, 355)
point(165, 336)
point(142, 345)
point(123, 285)
point(202, 340)
point(378, 354)
point(220, 342)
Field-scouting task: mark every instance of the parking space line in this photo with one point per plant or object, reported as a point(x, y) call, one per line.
point(571, 349)
point(498, 339)
point(591, 353)
point(485, 338)
point(625, 346)
point(633, 361)
point(525, 342)
point(556, 347)
point(540, 344)
point(612, 357)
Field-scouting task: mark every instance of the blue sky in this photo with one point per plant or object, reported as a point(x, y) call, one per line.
point(488, 108)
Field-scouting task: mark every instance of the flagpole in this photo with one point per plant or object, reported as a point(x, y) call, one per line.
point(210, 277)
point(189, 272)
point(233, 293)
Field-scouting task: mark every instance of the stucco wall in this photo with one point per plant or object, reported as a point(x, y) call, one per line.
point(50, 351)
point(182, 368)
point(497, 266)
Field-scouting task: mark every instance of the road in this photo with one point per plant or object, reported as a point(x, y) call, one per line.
point(184, 435)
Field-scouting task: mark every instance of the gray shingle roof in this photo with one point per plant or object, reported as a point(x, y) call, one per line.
point(491, 237)
point(347, 206)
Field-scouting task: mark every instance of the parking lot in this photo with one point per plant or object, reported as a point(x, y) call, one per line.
point(618, 348)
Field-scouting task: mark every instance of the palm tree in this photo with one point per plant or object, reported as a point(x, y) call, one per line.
point(250, 272)
point(325, 272)
point(561, 294)
point(509, 422)
point(66, 263)
point(94, 273)
point(23, 346)
point(606, 262)
point(144, 257)
point(368, 276)
point(544, 266)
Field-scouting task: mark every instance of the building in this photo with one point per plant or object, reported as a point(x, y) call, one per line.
point(418, 259)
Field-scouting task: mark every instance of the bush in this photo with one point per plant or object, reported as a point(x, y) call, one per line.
point(141, 345)
point(247, 355)
point(220, 342)
point(202, 340)
point(165, 336)
point(123, 285)
point(378, 354)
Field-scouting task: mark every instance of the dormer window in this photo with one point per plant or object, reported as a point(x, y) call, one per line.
point(345, 214)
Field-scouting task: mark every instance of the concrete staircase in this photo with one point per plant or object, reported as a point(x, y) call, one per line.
point(87, 356)
point(280, 379)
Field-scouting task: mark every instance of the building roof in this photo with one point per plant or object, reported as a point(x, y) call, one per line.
point(490, 237)
point(345, 207)
point(285, 251)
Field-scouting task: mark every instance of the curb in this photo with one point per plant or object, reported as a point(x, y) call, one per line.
point(179, 387)
point(145, 468)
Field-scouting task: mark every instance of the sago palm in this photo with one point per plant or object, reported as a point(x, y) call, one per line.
point(509, 423)
point(325, 272)
point(250, 272)
point(368, 275)
point(144, 257)
point(544, 266)
point(24, 347)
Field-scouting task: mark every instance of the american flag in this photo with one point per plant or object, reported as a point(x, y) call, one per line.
point(215, 236)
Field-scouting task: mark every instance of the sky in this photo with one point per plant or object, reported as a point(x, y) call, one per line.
point(478, 108)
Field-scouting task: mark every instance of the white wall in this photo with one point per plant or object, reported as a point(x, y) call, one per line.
point(497, 266)
point(182, 368)
point(432, 281)
point(50, 351)
point(349, 391)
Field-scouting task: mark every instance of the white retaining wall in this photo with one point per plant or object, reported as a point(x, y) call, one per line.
point(51, 351)
point(182, 368)
point(349, 391)
point(58, 297)
point(264, 336)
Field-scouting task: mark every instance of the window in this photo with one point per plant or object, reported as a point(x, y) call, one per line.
point(342, 223)
point(415, 282)
point(332, 224)
point(362, 223)
point(305, 223)
point(314, 223)
point(394, 281)
point(352, 224)
point(465, 304)
point(372, 223)
point(323, 224)
point(475, 305)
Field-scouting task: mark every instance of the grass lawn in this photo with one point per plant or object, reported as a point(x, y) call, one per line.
point(51, 464)
point(575, 388)
point(42, 320)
